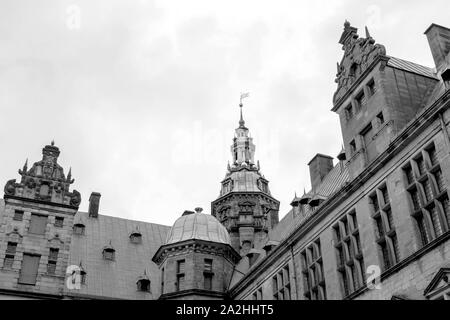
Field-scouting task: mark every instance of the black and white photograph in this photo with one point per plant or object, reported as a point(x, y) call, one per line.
point(233, 153)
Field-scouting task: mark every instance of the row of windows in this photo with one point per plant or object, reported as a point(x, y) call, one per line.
point(30, 264)
point(28, 271)
point(427, 195)
point(38, 224)
point(430, 209)
point(312, 271)
point(360, 100)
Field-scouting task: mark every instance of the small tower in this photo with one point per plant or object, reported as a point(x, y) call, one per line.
point(197, 259)
point(245, 205)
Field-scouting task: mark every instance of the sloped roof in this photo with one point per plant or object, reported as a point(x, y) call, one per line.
point(116, 279)
point(333, 182)
point(411, 67)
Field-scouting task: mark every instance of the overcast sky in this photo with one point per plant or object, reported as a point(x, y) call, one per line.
point(142, 97)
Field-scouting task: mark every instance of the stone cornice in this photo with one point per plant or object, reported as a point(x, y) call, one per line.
point(233, 193)
point(35, 201)
point(200, 292)
point(196, 245)
point(412, 130)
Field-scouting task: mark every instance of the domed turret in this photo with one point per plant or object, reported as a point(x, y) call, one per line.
point(198, 226)
point(196, 239)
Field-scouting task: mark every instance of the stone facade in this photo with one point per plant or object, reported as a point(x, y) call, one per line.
point(375, 225)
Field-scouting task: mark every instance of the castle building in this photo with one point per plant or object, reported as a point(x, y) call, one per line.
point(374, 225)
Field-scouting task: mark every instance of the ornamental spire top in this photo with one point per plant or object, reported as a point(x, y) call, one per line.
point(241, 121)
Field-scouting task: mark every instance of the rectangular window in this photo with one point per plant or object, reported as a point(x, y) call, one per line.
point(360, 100)
point(29, 270)
point(59, 222)
point(208, 281)
point(281, 284)
point(18, 215)
point(349, 112)
point(409, 174)
point(52, 261)
point(208, 274)
point(428, 195)
point(208, 265)
point(367, 134)
point(10, 253)
point(180, 275)
point(371, 87)
point(385, 229)
point(350, 261)
point(38, 224)
point(312, 271)
point(352, 147)
point(380, 119)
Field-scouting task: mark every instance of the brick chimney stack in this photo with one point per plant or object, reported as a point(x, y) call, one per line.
point(439, 41)
point(319, 167)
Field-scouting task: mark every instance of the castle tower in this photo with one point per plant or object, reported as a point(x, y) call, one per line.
point(197, 260)
point(245, 205)
point(38, 215)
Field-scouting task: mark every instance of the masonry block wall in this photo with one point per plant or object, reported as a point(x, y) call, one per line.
point(416, 264)
point(18, 232)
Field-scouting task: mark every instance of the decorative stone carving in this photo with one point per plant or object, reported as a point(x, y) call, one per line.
point(10, 187)
point(359, 53)
point(45, 181)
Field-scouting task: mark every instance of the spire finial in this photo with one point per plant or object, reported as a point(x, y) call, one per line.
point(52, 143)
point(346, 23)
point(367, 33)
point(243, 96)
point(25, 166)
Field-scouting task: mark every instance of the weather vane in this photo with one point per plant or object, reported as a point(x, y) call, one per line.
point(243, 96)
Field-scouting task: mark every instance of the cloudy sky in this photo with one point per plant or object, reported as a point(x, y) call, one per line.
point(142, 96)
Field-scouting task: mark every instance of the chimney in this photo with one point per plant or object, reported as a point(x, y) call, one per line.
point(94, 203)
point(439, 41)
point(319, 167)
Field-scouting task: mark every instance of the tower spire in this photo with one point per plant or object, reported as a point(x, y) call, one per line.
point(241, 121)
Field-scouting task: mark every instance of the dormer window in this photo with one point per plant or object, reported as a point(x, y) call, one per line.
point(83, 276)
point(78, 229)
point(136, 238)
point(143, 285)
point(109, 253)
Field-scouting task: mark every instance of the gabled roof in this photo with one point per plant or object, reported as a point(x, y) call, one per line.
point(440, 280)
point(412, 67)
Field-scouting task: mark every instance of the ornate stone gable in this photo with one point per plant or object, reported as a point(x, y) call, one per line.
point(45, 181)
point(359, 54)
